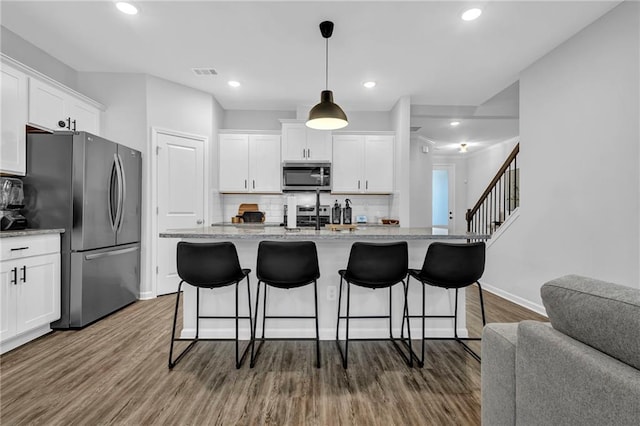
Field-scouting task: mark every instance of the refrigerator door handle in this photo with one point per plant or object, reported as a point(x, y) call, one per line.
point(123, 192)
point(119, 206)
point(110, 253)
point(112, 220)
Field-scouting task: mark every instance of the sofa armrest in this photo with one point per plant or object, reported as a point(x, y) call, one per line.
point(563, 381)
point(498, 374)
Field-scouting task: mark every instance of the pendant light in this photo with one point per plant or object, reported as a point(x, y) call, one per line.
point(326, 115)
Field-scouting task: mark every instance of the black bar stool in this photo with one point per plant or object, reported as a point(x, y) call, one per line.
point(451, 266)
point(286, 265)
point(209, 265)
point(374, 266)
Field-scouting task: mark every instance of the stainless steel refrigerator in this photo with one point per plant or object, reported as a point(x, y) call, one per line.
point(91, 187)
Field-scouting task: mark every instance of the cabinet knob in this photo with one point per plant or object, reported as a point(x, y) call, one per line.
point(199, 221)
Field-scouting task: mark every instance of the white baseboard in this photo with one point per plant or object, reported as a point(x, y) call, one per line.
point(325, 333)
point(147, 295)
point(539, 309)
point(21, 339)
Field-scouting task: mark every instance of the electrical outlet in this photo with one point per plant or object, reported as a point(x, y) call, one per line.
point(331, 292)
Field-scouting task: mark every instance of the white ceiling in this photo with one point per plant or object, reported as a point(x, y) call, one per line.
point(418, 48)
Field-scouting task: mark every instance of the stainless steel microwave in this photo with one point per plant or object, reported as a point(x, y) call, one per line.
point(306, 176)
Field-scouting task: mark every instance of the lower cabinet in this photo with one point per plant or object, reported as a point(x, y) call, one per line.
point(29, 288)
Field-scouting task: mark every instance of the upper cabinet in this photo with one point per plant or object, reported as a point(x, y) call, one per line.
point(14, 116)
point(53, 109)
point(250, 163)
point(363, 164)
point(31, 98)
point(300, 143)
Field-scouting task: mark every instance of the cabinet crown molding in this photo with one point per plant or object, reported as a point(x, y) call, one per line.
point(43, 77)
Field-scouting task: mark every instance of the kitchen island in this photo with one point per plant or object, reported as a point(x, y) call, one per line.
point(333, 254)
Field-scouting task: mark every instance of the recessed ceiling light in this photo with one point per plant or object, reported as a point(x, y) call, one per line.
point(471, 14)
point(463, 147)
point(233, 83)
point(127, 8)
point(369, 84)
point(454, 123)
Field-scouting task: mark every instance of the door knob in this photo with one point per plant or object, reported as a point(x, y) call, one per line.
point(199, 221)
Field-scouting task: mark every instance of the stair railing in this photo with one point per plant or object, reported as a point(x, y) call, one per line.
point(499, 200)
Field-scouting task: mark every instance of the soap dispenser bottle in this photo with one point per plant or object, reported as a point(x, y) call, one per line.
point(336, 213)
point(346, 217)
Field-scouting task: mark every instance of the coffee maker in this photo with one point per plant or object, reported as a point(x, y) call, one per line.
point(11, 201)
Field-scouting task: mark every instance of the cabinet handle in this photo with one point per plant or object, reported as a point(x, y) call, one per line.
point(304, 153)
point(309, 153)
point(254, 184)
point(366, 185)
point(24, 273)
point(19, 248)
point(69, 123)
point(14, 280)
point(74, 125)
point(358, 184)
point(245, 184)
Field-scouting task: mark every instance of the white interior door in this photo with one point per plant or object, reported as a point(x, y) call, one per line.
point(443, 201)
point(180, 195)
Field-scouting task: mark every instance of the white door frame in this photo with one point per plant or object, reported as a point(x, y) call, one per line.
point(451, 167)
point(153, 208)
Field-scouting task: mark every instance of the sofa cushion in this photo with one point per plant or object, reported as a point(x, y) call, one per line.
point(561, 381)
point(498, 374)
point(603, 315)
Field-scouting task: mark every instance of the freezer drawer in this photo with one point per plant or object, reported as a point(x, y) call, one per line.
point(103, 281)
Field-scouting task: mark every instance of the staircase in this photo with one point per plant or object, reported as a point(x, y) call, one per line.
point(499, 200)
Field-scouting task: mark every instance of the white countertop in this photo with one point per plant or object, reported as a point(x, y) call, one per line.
point(259, 232)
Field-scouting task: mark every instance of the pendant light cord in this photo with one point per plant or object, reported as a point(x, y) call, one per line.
point(326, 71)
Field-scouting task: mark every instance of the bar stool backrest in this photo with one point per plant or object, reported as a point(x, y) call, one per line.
point(208, 264)
point(287, 264)
point(452, 265)
point(377, 264)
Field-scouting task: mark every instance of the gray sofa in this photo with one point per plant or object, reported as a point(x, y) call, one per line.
point(581, 369)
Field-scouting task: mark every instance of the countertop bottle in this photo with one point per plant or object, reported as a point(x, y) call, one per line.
point(346, 213)
point(336, 213)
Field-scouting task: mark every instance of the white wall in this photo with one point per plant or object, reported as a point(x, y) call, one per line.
point(401, 199)
point(21, 50)
point(580, 188)
point(215, 198)
point(482, 167)
point(125, 119)
point(255, 119)
point(421, 172)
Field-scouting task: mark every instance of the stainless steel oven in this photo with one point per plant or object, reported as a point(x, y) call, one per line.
point(306, 176)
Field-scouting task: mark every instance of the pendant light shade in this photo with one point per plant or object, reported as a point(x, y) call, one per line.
point(327, 115)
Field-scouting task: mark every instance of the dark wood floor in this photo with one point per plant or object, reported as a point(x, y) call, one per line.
point(115, 372)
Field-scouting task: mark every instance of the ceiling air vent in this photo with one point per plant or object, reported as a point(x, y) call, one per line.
point(204, 71)
point(415, 128)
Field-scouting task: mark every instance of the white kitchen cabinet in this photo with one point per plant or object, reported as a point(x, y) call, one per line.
point(51, 108)
point(265, 167)
point(30, 288)
point(363, 164)
point(250, 163)
point(13, 92)
point(300, 143)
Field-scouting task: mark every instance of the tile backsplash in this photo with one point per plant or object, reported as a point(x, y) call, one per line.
point(373, 206)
